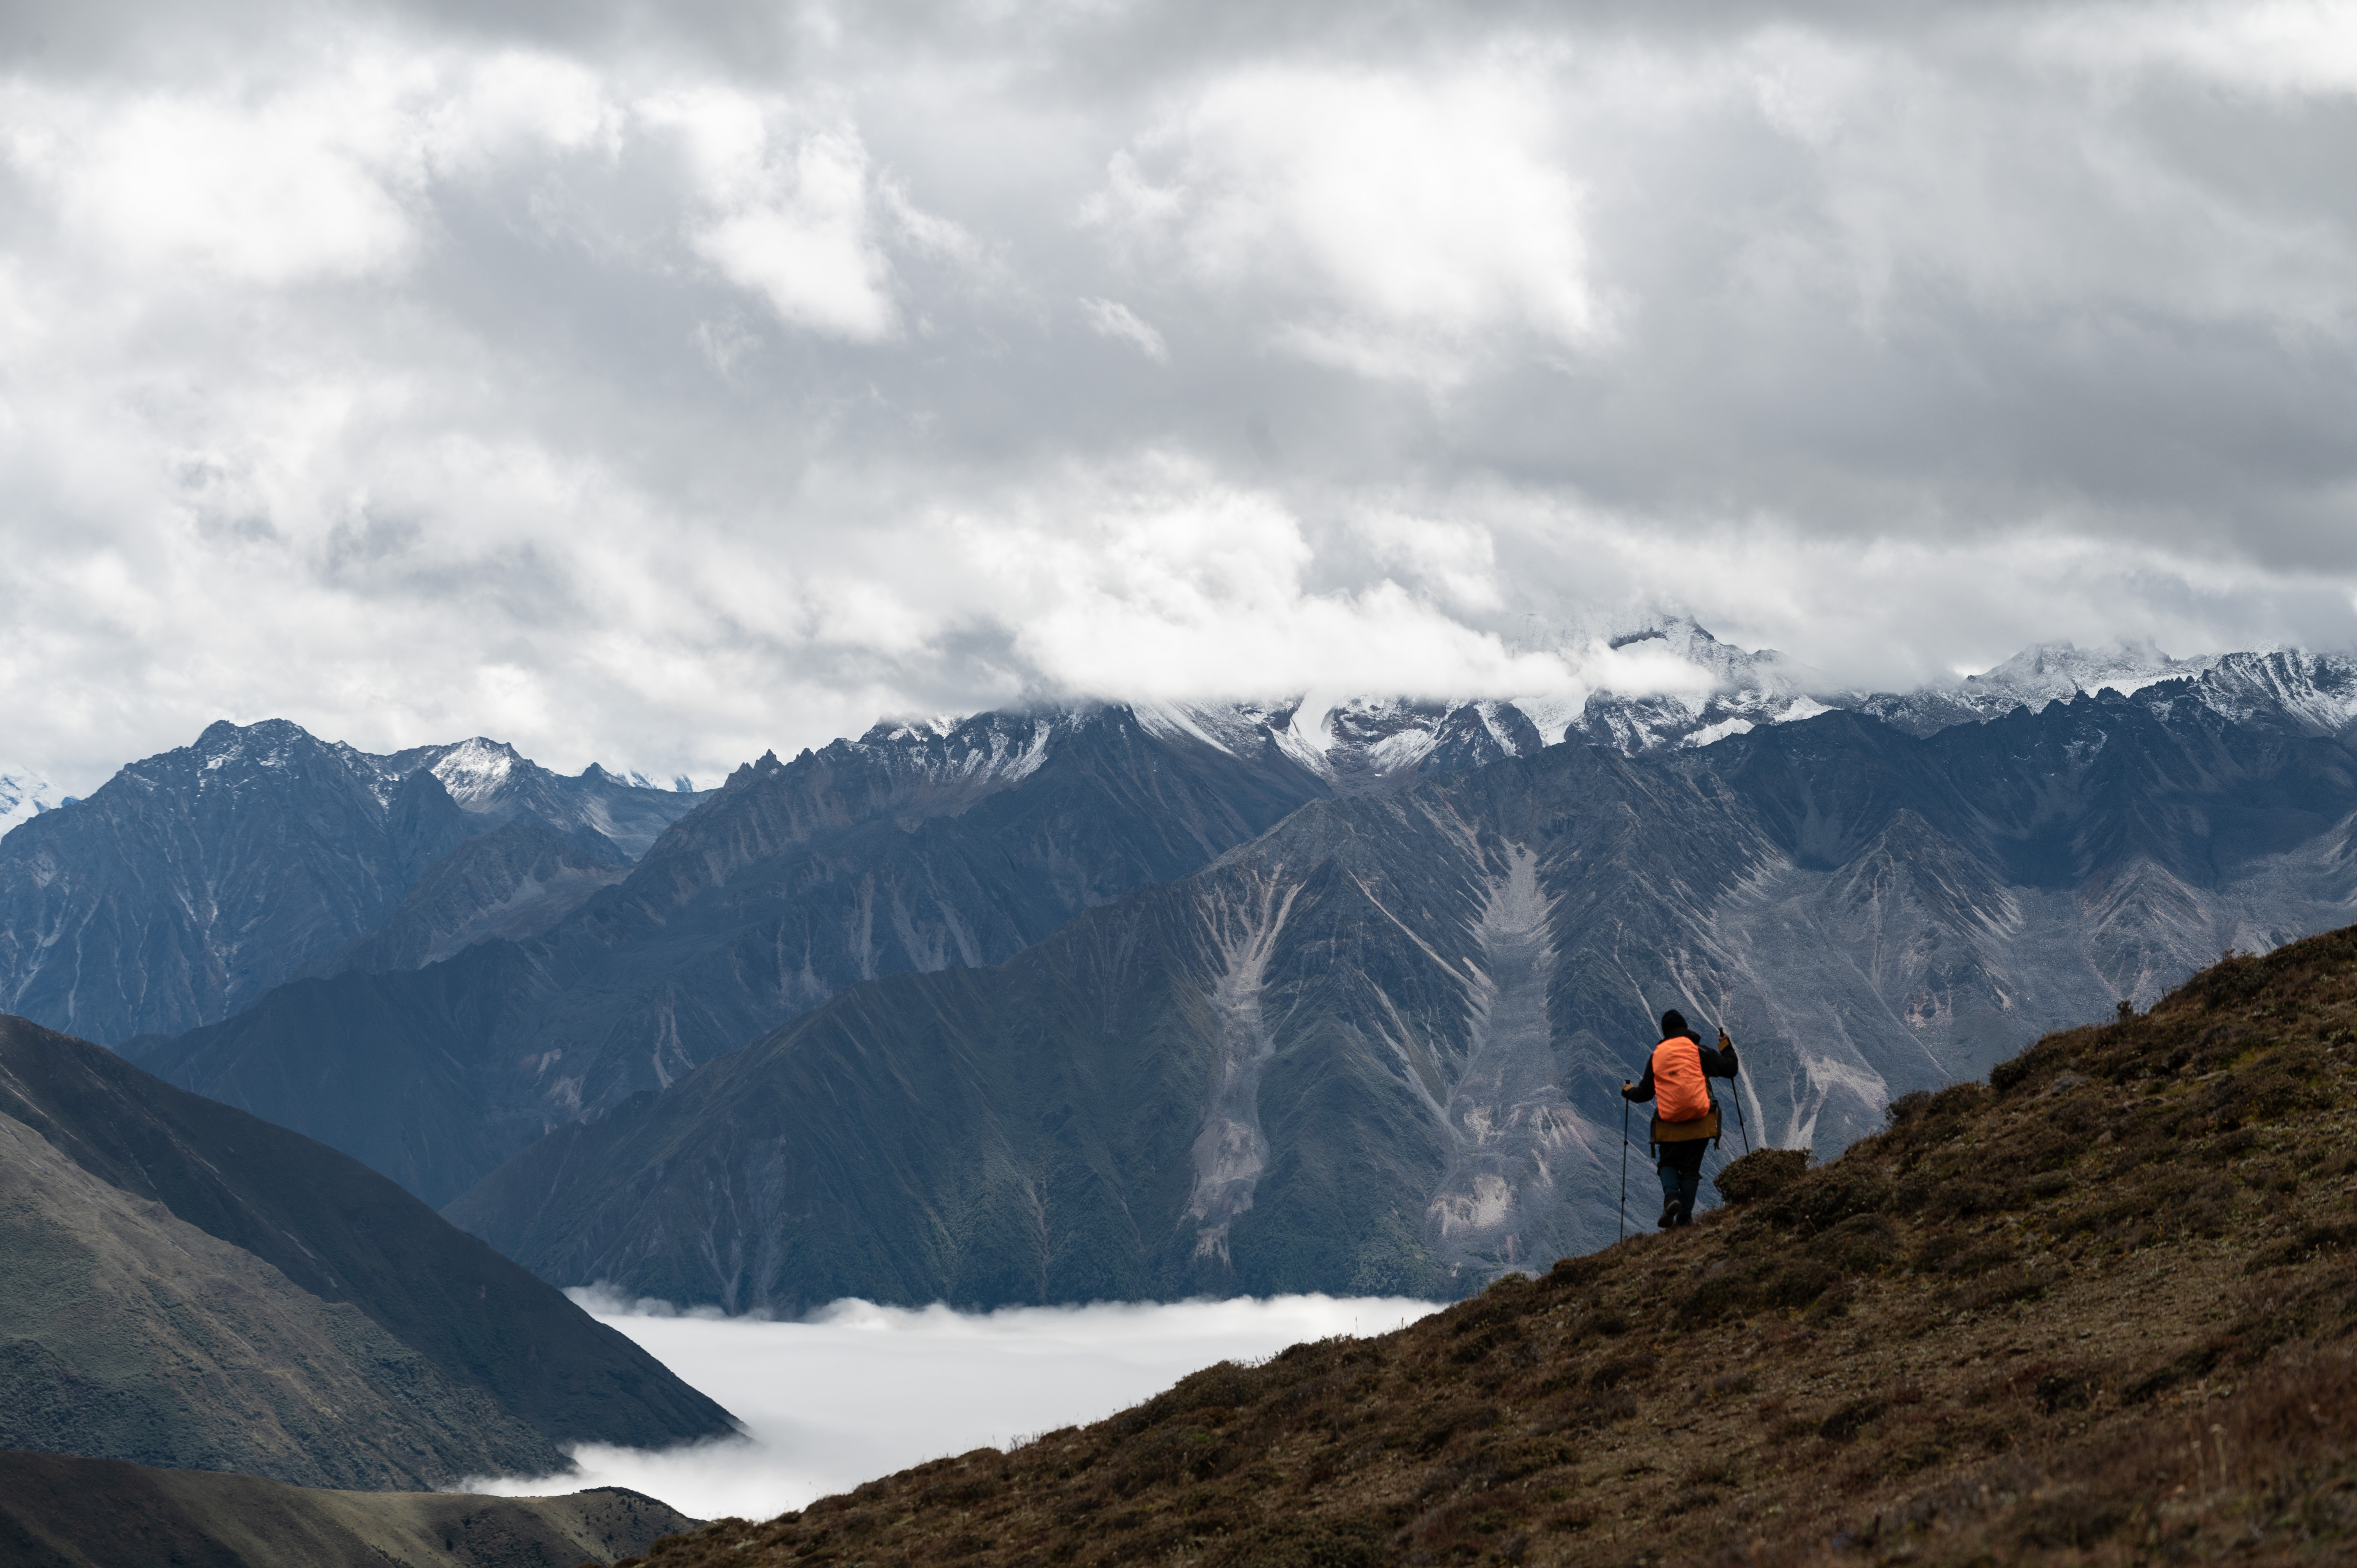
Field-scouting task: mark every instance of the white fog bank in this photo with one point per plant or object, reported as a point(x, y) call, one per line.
point(859, 1390)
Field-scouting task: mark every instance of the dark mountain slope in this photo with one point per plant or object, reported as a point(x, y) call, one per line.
point(2101, 1314)
point(511, 883)
point(1323, 1063)
point(261, 1266)
point(393, 1065)
point(876, 858)
point(910, 850)
point(1379, 1048)
point(193, 881)
point(102, 1513)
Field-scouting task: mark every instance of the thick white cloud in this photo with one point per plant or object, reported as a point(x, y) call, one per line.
point(659, 387)
point(1401, 224)
point(790, 211)
point(859, 1391)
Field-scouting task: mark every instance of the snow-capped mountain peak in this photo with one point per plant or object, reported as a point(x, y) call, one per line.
point(474, 770)
point(2041, 673)
point(2048, 672)
point(2316, 691)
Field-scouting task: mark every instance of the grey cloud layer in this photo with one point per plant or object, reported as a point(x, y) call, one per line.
point(659, 386)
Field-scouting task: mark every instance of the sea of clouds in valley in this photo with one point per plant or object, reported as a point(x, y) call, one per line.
point(857, 1391)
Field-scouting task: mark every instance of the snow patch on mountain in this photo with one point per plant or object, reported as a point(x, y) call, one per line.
point(2041, 673)
point(1242, 728)
point(988, 750)
point(474, 771)
point(2315, 691)
point(2052, 671)
point(23, 795)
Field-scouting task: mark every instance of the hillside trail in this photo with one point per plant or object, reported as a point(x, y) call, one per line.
point(2099, 1311)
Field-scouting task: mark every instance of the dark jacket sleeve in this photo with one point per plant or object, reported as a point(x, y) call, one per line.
point(1644, 1088)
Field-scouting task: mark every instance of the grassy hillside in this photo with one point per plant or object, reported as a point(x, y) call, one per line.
point(58, 1512)
point(129, 1333)
point(2098, 1310)
point(183, 1284)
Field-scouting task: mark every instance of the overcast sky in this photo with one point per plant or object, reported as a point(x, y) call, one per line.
point(661, 384)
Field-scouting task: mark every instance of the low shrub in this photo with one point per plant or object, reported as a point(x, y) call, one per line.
point(1762, 1173)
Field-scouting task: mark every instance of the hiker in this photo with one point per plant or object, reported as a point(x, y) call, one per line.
point(1685, 1118)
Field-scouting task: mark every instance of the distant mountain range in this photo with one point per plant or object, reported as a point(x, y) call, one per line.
point(192, 882)
point(910, 849)
point(431, 960)
point(1714, 690)
point(188, 1286)
point(1379, 1048)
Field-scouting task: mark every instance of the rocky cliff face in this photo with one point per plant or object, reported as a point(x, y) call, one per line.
point(1379, 1048)
point(194, 881)
point(189, 1287)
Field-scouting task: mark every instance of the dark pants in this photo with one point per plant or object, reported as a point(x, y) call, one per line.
point(1679, 1168)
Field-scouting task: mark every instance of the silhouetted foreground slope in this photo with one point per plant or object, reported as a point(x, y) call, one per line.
point(182, 1283)
point(2099, 1313)
point(102, 1513)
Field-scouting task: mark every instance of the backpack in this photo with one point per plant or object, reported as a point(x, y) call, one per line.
point(1683, 1107)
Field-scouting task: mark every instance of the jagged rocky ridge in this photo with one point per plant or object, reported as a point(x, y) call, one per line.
point(194, 881)
point(1702, 689)
point(2099, 1314)
point(188, 1286)
point(1377, 1049)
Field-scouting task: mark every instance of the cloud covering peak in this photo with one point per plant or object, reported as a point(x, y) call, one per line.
point(665, 385)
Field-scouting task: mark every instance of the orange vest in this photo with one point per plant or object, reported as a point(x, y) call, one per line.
point(1679, 1092)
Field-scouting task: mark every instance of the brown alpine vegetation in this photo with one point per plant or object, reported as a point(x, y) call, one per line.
point(2098, 1310)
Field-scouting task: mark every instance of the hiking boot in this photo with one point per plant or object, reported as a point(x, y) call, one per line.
point(1671, 1215)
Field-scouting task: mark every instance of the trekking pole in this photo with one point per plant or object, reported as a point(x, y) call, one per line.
point(1734, 1092)
point(1624, 1170)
